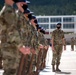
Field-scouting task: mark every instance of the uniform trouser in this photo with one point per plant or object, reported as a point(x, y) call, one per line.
point(0, 59)
point(11, 69)
point(57, 54)
point(10, 66)
point(72, 46)
point(11, 58)
point(27, 65)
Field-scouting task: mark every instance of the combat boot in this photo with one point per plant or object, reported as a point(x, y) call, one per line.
point(53, 68)
point(57, 68)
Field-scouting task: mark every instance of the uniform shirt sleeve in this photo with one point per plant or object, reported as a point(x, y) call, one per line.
point(63, 35)
point(53, 34)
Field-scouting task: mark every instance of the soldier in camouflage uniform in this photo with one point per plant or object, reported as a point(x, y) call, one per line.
point(34, 42)
point(10, 40)
point(14, 34)
point(57, 44)
point(29, 37)
point(42, 50)
point(39, 41)
point(72, 44)
point(0, 50)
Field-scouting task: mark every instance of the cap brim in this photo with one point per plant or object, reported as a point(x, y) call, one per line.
point(31, 12)
point(28, 2)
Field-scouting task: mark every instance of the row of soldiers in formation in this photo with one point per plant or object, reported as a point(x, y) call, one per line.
point(72, 43)
point(23, 47)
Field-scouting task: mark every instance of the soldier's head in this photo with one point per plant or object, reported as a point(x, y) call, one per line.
point(25, 6)
point(40, 29)
point(58, 25)
point(33, 20)
point(28, 14)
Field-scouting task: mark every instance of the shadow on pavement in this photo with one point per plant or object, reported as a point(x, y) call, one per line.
point(63, 72)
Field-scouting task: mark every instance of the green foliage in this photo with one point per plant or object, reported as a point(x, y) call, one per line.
point(52, 7)
point(0, 7)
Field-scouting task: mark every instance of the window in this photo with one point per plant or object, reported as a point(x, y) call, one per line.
point(68, 26)
point(43, 20)
point(45, 26)
point(68, 19)
point(55, 19)
point(53, 26)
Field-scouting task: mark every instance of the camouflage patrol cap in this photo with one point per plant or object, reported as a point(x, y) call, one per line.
point(41, 29)
point(58, 23)
point(33, 17)
point(28, 2)
point(23, 1)
point(27, 11)
point(35, 20)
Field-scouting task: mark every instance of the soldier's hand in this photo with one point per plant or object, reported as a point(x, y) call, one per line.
point(19, 5)
point(33, 51)
point(25, 50)
point(41, 46)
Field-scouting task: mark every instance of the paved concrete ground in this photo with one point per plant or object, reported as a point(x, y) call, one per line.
point(68, 63)
point(67, 66)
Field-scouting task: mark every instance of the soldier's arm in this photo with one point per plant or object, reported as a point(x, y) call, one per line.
point(64, 42)
point(52, 41)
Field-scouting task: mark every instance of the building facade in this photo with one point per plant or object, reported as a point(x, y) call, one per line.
point(49, 23)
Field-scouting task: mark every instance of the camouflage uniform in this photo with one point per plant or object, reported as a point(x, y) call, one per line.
point(42, 39)
point(10, 40)
point(29, 39)
point(57, 35)
point(72, 44)
point(0, 51)
point(34, 45)
point(42, 52)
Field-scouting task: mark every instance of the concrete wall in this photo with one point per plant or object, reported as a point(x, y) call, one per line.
point(67, 37)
